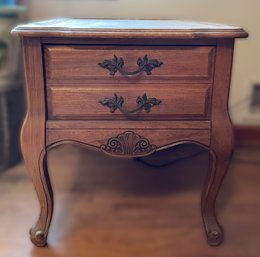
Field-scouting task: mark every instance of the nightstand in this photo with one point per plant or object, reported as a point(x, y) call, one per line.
point(127, 88)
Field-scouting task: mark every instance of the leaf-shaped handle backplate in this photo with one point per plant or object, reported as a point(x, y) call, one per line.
point(116, 102)
point(117, 64)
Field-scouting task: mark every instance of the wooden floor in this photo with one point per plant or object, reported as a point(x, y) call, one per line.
point(123, 208)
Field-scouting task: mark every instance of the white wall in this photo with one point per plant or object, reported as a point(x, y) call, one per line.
point(244, 13)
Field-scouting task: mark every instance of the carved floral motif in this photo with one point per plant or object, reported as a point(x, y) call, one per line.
point(128, 144)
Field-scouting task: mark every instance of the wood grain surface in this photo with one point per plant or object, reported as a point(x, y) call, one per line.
point(82, 102)
point(79, 64)
point(101, 124)
point(222, 141)
point(33, 137)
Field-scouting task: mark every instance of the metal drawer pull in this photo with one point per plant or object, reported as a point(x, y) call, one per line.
point(117, 64)
point(116, 102)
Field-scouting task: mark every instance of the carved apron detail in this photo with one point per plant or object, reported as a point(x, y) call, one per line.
point(128, 144)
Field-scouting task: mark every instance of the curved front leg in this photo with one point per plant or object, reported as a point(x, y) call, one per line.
point(219, 163)
point(221, 149)
point(37, 168)
point(222, 141)
point(35, 157)
point(33, 137)
point(44, 191)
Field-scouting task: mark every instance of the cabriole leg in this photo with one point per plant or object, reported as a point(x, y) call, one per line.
point(38, 171)
point(43, 188)
point(33, 136)
point(219, 163)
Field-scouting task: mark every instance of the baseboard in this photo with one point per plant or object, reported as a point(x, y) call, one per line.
point(247, 135)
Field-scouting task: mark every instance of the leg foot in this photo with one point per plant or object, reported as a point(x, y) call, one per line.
point(38, 237)
point(215, 237)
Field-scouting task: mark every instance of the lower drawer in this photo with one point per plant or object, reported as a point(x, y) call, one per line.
point(144, 102)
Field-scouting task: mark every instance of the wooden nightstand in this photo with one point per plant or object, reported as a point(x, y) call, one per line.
point(128, 89)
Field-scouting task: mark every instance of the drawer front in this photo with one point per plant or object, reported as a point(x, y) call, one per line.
point(132, 64)
point(125, 103)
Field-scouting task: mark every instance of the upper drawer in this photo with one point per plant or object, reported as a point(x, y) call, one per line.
point(138, 64)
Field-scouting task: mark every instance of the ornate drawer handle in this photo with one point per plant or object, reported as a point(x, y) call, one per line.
point(116, 102)
point(117, 64)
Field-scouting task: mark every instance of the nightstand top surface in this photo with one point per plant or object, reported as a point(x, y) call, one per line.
point(65, 27)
